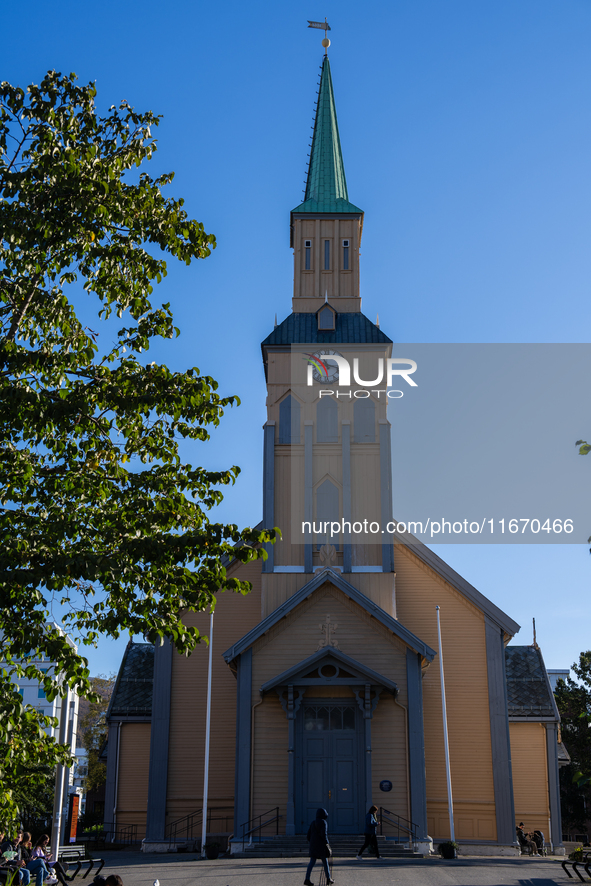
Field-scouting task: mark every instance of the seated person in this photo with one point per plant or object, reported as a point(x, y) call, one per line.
point(57, 871)
point(524, 840)
point(12, 847)
point(37, 865)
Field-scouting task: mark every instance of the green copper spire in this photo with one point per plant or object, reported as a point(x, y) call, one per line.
point(326, 188)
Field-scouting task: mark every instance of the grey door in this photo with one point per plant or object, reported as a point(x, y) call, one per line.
point(327, 765)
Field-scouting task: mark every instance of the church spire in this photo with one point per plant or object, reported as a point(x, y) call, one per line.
point(326, 187)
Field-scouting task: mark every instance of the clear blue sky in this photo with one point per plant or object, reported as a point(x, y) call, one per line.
point(466, 133)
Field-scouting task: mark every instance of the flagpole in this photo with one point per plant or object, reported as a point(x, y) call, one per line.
point(445, 736)
point(207, 732)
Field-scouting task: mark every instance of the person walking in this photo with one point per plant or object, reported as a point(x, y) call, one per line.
point(371, 826)
point(319, 846)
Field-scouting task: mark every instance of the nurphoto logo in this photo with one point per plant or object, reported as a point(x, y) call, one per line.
point(320, 370)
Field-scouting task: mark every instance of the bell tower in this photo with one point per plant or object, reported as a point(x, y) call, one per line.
point(326, 227)
point(327, 437)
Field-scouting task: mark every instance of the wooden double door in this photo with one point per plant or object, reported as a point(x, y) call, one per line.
point(328, 764)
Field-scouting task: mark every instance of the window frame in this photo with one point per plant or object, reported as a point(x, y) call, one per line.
point(332, 313)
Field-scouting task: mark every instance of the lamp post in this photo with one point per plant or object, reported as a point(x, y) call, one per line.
point(207, 733)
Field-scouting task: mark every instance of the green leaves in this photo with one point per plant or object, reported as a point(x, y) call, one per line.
point(574, 703)
point(97, 509)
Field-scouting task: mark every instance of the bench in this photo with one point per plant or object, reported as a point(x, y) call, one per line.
point(75, 855)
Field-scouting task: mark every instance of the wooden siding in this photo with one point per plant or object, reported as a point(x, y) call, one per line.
point(336, 282)
point(389, 757)
point(234, 616)
point(132, 789)
point(418, 590)
point(530, 776)
point(295, 638)
point(280, 586)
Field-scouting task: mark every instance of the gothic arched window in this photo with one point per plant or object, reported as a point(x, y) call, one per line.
point(327, 421)
point(327, 511)
point(364, 417)
point(289, 420)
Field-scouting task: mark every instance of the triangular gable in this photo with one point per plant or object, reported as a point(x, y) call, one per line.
point(306, 591)
point(453, 578)
point(349, 672)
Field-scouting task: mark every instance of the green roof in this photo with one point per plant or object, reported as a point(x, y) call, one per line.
point(326, 187)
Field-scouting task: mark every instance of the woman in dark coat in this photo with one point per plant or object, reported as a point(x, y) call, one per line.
point(319, 848)
point(371, 825)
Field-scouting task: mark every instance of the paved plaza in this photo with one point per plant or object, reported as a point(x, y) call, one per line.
point(185, 870)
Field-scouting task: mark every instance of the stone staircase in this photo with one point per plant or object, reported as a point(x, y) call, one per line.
point(343, 846)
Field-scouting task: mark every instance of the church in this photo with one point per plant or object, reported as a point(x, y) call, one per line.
point(325, 682)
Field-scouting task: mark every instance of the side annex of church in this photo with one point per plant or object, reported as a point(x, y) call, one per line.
point(328, 690)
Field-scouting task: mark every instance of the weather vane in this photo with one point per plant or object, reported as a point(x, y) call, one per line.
point(324, 26)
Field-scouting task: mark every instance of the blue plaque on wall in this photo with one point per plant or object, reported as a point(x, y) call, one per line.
point(385, 785)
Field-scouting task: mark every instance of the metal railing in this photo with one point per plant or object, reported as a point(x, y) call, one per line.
point(249, 832)
point(122, 834)
point(189, 827)
point(397, 824)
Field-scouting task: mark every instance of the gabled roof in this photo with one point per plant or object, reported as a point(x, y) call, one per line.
point(302, 329)
point(132, 696)
point(356, 672)
point(431, 559)
point(326, 187)
point(529, 694)
point(306, 591)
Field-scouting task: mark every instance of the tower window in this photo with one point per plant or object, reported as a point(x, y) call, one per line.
point(364, 417)
point(327, 511)
point(345, 255)
point(289, 420)
point(308, 254)
point(327, 421)
point(326, 318)
point(327, 255)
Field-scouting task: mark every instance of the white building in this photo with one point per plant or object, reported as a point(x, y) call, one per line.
point(65, 710)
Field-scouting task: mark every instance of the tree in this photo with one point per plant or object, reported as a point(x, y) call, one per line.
point(574, 703)
point(92, 729)
point(98, 512)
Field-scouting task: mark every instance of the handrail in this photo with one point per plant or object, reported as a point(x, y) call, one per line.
point(261, 824)
point(189, 826)
point(410, 827)
point(126, 833)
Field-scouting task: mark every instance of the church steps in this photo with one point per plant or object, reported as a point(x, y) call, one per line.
point(343, 846)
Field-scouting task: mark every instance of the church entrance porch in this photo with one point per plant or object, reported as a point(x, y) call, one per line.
point(328, 764)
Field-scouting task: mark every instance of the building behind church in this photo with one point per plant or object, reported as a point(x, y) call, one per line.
point(326, 687)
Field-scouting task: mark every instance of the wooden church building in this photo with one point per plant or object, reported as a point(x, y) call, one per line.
point(326, 686)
